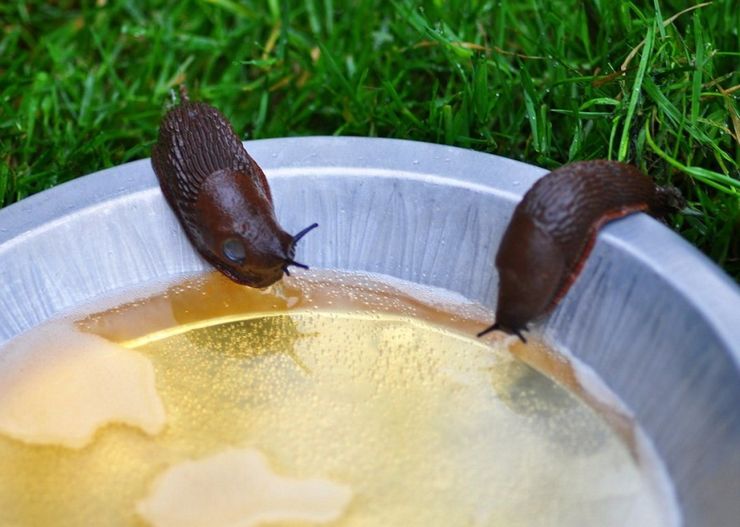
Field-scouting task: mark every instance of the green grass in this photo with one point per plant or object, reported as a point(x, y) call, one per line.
point(84, 84)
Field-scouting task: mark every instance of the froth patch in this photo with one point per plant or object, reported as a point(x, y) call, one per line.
point(237, 488)
point(60, 385)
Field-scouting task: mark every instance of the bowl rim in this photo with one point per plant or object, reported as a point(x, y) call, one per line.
point(686, 269)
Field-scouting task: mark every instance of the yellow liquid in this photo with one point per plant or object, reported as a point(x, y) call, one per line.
point(427, 426)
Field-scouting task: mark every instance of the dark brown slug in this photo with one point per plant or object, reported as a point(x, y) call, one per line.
point(221, 196)
point(554, 228)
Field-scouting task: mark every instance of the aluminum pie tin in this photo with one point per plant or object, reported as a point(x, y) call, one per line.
point(656, 320)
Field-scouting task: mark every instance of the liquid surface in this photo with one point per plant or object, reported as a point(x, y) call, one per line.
point(362, 387)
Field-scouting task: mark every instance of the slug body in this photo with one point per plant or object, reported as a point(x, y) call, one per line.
point(554, 228)
point(221, 196)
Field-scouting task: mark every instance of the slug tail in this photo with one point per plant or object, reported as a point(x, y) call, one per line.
point(668, 199)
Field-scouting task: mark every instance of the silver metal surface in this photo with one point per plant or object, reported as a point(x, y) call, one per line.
point(656, 320)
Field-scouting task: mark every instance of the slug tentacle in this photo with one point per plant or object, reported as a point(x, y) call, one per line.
point(290, 261)
point(291, 252)
point(303, 232)
point(498, 327)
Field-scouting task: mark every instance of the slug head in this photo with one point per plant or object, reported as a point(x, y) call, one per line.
point(531, 269)
point(238, 233)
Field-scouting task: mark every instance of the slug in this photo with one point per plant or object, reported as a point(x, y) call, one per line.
point(221, 196)
point(554, 228)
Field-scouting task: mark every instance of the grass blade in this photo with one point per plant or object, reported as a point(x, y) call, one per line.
point(698, 65)
point(635, 93)
point(531, 102)
point(721, 182)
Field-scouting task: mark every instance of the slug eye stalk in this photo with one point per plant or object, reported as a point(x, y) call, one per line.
point(305, 231)
point(290, 261)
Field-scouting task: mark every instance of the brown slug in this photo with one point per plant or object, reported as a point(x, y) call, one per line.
point(554, 228)
point(221, 196)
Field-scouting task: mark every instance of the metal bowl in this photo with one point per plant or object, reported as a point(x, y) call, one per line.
point(655, 319)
